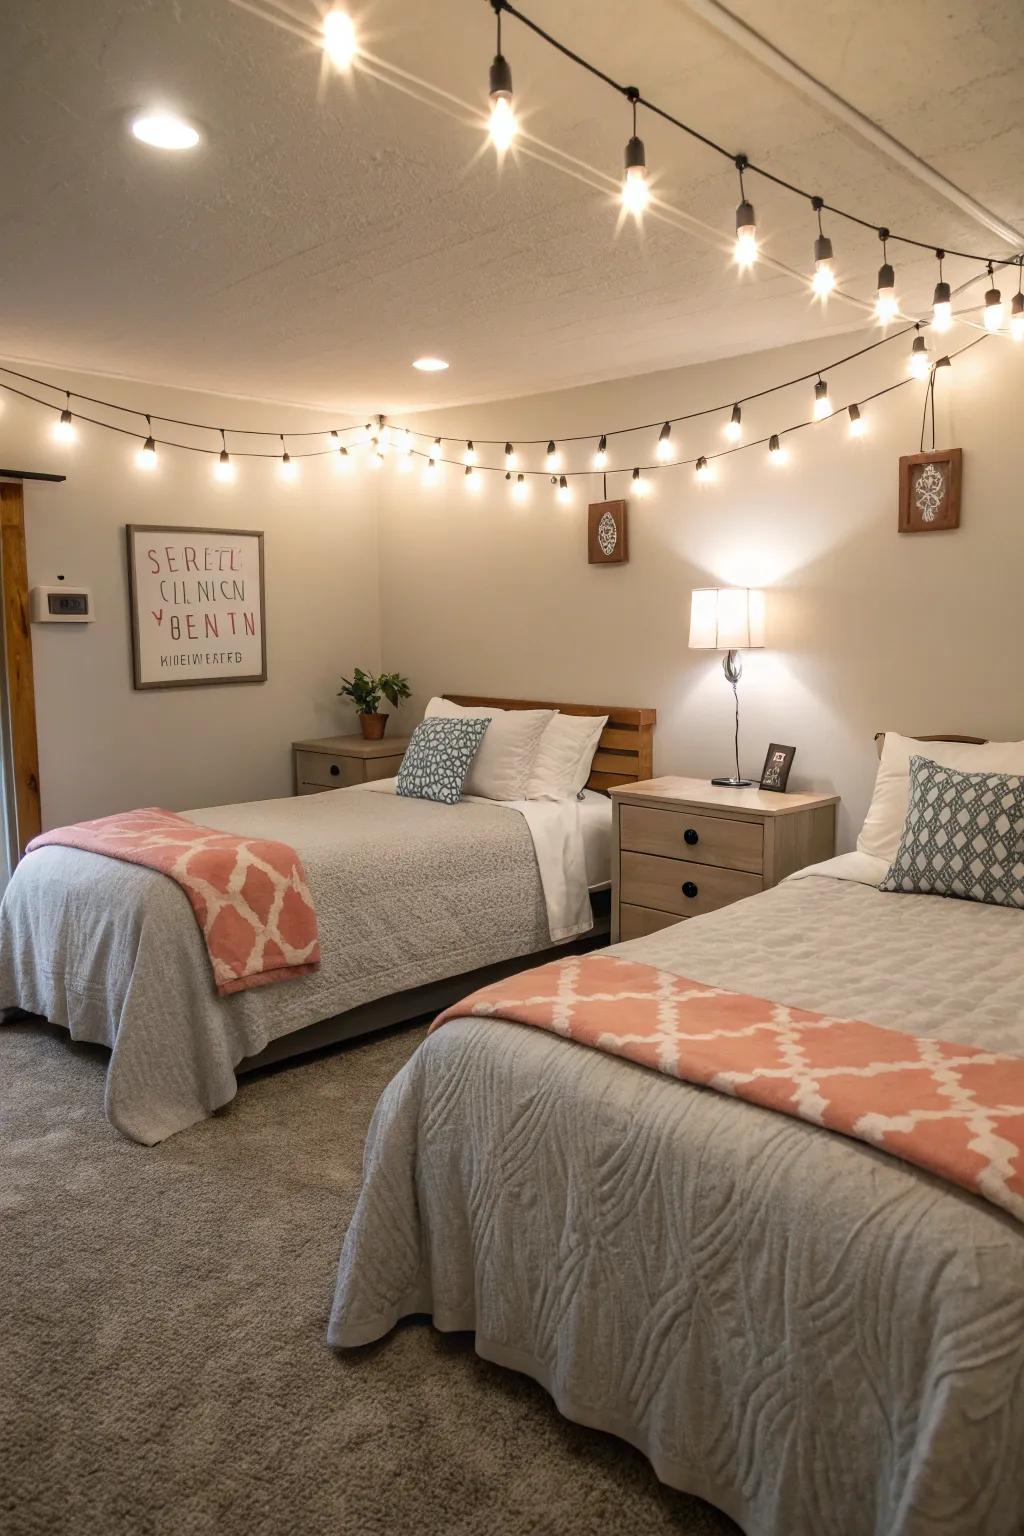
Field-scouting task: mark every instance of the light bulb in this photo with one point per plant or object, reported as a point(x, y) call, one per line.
point(469, 457)
point(942, 307)
point(376, 459)
point(511, 457)
point(918, 364)
point(824, 279)
point(601, 456)
point(886, 304)
point(733, 428)
point(745, 249)
point(435, 451)
point(64, 430)
point(404, 463)
point(146, 456)
point(704, 470)
point(471, 479)
point(430, 473)
point(520, 489)
point(405, 442)
point(224, 470)
point(339, 39)
point(858, 426)
point(640, 485)
point(341, 461)
point(563, 493)
point(501, 125)
point(286, 470)
point(636, 194)
point(822, 403)
point(552, 459)
point(993, 310)
point(164, 130)
point(1017, 317)
point(664, 448)
point(777, 455)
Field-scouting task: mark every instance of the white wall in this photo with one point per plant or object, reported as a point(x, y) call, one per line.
point(104, 746)
point(867, 628)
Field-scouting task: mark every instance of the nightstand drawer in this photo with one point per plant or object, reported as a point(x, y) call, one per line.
point(638, 922)
point(697, 839)
point(329, 772)
point(674, 885)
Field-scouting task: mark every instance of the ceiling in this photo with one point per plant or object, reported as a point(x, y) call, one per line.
point(330, 229)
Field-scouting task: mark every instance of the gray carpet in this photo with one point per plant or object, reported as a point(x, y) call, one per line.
point(163, 1366)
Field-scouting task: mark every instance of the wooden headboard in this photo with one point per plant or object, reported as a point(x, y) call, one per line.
point(970, 741)
point(625, 752)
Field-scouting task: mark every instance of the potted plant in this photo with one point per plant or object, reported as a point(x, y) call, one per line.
point(366, 691)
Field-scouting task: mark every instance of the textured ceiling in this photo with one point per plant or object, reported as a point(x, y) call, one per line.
point(332, 229)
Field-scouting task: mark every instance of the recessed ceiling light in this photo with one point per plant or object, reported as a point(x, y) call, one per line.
point(430, 364)
point(162, 130)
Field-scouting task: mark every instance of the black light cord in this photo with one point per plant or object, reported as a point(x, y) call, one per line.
point(728, 154)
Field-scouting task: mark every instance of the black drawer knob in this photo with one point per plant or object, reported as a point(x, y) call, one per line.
point(691, 836)
point(335, 770)
point(689, 889)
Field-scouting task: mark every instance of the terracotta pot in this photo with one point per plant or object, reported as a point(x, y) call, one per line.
point(373, 726)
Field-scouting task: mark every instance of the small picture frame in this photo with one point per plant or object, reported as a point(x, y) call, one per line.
point(930, 491)
point(778, 761)
point(607, 533)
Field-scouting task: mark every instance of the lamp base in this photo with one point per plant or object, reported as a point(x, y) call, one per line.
point(735, 783)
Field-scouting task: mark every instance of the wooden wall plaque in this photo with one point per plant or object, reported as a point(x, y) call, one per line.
point(930, 490)
point(607, 533)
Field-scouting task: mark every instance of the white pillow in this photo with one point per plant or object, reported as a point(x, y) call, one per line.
point(566, 751)
point(883, 824)
point(503, 764)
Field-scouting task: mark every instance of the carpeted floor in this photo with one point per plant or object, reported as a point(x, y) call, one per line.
point(163, 1365)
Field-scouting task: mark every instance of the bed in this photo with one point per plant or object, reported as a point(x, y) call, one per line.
point(809, 1333)
point(416, 903)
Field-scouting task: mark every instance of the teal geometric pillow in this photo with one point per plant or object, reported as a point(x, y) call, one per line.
point(963, 836)
point(437, 759)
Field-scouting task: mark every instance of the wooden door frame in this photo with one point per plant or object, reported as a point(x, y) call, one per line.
point(17, 652)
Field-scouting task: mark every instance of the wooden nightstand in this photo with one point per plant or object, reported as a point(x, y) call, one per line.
point(335, 761)
point(684, 846)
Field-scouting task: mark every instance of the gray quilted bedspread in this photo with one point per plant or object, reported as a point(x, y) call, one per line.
point(406, 892)
point(816, 1337)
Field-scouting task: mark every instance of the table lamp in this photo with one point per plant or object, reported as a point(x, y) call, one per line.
point(729, 619)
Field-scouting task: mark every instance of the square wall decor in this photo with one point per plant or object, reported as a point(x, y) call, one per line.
point(607, 539)
point(930, 490)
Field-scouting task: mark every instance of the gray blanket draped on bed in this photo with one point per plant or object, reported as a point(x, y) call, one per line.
point(406, 892)
point(819, 1339)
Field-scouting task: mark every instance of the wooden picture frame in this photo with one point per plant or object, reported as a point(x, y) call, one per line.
point(930, 491)
point(607, 533)
point(198, 606)
point(778, 761)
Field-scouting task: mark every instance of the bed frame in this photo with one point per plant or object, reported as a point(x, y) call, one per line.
point(625, 754)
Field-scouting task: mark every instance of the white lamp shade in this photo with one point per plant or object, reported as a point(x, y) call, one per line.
point(726, 619)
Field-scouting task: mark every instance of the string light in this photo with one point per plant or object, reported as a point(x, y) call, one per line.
point(436, 449)
point(405, 463)
point(1017, 314)
point(64, 428)
point(501, 124)
point(601, 456)
point(822, 403)
point(993, 304)
point(858, 426)
point(636, 194)
point(376, 459)
point(824, 279)
point(640, 485)
point(469, 457)
point(470, 478)
point(552, 459)
point(663, 451)
point(339, 39)
point(511, 458)
point(145, 459)
point(886, 304)
point(405, 445)
point(286, 470)
point(918, 364)
point(942, 299)
point(733, 428)
point(342, 462)
point(777, 455)
point(429, 475)
point(745, 249)
point(703, 470)
point(563, 493)
point(224, 470)
point(520, 489)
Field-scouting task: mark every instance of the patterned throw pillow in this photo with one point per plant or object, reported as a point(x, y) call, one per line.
point(963, 836)
point(438, 757)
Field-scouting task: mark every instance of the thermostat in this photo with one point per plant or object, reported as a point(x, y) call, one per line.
point(61, 605)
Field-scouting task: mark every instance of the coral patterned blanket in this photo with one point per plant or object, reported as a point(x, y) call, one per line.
point(249, 894)
point(955, 1110)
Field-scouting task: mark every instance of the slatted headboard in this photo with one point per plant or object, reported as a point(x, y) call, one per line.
point(625, 752)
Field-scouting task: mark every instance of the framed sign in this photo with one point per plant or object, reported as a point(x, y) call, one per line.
point(197, 606)
point(607, 540)
point(777, 763)
point(930, 490)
